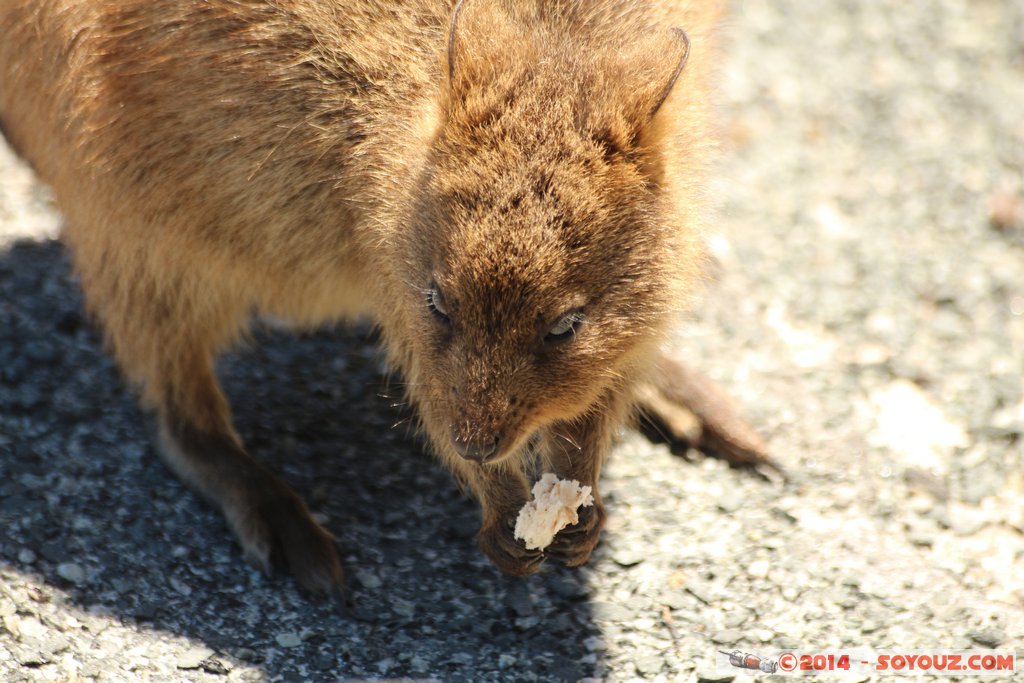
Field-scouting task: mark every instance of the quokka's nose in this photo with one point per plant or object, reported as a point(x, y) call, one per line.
point(478, 448)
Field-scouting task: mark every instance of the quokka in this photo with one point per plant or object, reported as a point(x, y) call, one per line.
point(512, 190)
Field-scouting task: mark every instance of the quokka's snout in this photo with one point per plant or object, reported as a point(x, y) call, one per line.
point(511, 189)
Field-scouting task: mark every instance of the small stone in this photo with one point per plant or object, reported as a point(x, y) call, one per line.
point(843, 598)
point(212, 665)
point(403, 608)
point(629, 557)
point(710, 674)
point(726, 636)
point(735, 619)
point(91, 669)
point(869, 626)
point(365, 612)
point(326, 661)
point(288, 639)
point(526, 623)
point(675, 599)
point(71, 572)
point(30, 656)
point(968, 526)
point(787, 643)
point(567, 587)
point(519, 600)
point(650, 665)
point(988, 637)
point(55, 644)
point(700, 591)
point(26, 556)
point(921, 538)
point(505, 661)
point(564, 670)
point(368, 579)
point(21, 626)
point(193, 658)
point(731, 500)
point(935, 488)
point(180, 586)
point(146, 611)
point(610, 611)
point(980, 482)
point(758, 569)
point(133, 451)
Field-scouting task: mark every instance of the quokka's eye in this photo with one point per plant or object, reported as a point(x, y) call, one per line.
point(566, 327)
point(436, 304)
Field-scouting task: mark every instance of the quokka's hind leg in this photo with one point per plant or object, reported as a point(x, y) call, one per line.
point(271, 521)
point(686, 408)
point(165, 336)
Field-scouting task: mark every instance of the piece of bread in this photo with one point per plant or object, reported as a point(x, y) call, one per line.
point(554, 505)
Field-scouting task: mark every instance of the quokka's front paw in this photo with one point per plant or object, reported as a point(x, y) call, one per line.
point(574, 544)
point(278, 530)
point(508, 554)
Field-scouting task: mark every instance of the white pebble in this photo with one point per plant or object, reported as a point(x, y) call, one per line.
point(288, 639)
point(69, 571)
point(758, 569)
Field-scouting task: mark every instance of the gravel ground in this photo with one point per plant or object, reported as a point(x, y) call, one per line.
point(867, 309)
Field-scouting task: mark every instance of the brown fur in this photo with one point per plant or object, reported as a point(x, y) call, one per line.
point(317, 160)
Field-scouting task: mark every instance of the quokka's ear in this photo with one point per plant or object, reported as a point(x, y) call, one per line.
point(485, 40)
point(684, 56)
point(452, 37)
point(487, 44)
point(491, 54)
point(625, 115)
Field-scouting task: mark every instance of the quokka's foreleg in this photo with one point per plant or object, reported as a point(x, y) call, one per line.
point(502, 489)
point(575, 450)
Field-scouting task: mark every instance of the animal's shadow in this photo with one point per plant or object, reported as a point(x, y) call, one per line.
point(80, 483)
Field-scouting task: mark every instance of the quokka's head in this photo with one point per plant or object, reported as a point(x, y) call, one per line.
point(551, 241)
